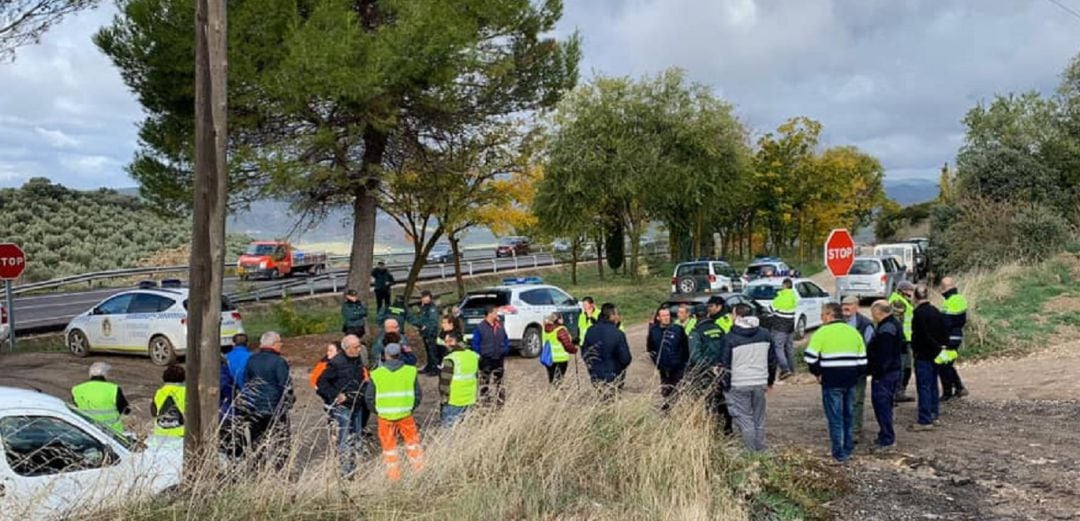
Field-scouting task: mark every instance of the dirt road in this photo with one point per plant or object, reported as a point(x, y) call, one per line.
point(1010, 451)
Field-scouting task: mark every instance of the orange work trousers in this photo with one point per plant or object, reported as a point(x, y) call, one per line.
point(388, 438)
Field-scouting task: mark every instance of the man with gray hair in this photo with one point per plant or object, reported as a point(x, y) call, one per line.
point(341, 386)
point(266, 399)
point(850, 308)
point(883, 365)
point(100, 399)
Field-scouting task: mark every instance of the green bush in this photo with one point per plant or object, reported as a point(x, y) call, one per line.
point(293, 323)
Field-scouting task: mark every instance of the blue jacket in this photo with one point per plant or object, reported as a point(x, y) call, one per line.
point(227, 389)
point(490, 342)
point(668, 347)
point(605, 351)
point(237, 360)
point(267, 390)
point(748, 356)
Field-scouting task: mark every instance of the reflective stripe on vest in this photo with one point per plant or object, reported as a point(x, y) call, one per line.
point(909, 313)
point(725, 322)
point(97, 399)
point(395, 392)
point(689, 326)
point(163, 425)
point(463, 386)
point(836, 344)
point(558, 352)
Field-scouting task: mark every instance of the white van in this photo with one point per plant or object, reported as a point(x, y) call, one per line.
point(904, 252)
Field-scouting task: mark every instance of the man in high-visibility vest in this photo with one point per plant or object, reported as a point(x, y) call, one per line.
point(169, 404)
point(954, 310)
point(685, 319)
point(783, 328)
point(836, 355)
point(457, 379)
point(588, 316)
point(558, 342)
point(902, 297)
point(100, 399)
point(394, 394)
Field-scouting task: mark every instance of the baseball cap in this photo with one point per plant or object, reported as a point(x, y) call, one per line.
point(905, 286)
point(392, 350)
point(715, 300)
point(351, 293)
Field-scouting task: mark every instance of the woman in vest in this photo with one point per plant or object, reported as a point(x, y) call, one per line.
point(457, 379)
point(558, 346)
point(169, 403)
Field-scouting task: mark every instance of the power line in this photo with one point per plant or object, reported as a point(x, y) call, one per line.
point(1066, 8)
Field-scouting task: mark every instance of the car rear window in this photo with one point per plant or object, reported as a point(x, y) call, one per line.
point(755, 270)
point(483, 300)
point(226, 304)
point(761, 292)
point(693, 270)
point(865, 267)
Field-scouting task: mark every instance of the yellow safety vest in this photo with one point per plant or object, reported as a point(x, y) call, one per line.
point(558, 352)
point(168, 424)
point(909, 313)
point(725, 322)
point(97, 399)
point(785, 303)
point(463, 386)
point(395, 392)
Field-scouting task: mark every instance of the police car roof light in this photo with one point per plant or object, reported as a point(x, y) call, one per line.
point(172, 283)
point(522, 280)
point(148, 284)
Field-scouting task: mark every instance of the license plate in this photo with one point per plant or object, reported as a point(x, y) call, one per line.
point(473, 321)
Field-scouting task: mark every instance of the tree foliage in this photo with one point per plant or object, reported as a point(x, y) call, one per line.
point(23, 22)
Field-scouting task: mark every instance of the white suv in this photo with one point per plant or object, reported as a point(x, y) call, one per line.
point(56, 463)
point(522, 303)
point(706, 276)
point(151, 321)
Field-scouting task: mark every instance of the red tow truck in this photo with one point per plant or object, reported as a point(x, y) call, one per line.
point(274, 259)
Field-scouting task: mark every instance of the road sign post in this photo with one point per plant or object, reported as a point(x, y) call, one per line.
point(12, 264)
point(839, 254)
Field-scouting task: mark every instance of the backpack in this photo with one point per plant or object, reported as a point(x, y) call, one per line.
point(170, 417)
point(546, 358)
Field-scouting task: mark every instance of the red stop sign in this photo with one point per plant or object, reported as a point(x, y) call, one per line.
point(12, 261)
point(839, 252)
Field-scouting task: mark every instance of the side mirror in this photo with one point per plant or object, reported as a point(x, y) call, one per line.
point(95, 311)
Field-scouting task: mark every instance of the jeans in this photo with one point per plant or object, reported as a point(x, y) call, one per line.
point(491, 378)
point(839, 405)
point(556, 371)
point(382, 299)
point(747, 407)
point(669, 380)
point(926, 382)
point(350, 423)
point(784, 347)
point(452, 414)
point(881, 396)
point(860, 405)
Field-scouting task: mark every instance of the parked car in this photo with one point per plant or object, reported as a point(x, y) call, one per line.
point(697, 304)
point(512, 247)
point(705, 276)
point(522, 303)
point(761, 266)
point(904, 253)
point(60, 464)
point(871, 277)
point(440, 254)
point(809, 299)
point(560, 246)
point(5, 330)
point(145, 321)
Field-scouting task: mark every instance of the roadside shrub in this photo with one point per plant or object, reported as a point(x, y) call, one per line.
point(293, 323)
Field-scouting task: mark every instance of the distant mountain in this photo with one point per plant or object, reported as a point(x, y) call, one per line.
point(911, 191)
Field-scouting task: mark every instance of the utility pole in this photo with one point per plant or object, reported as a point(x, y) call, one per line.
point(208, 237)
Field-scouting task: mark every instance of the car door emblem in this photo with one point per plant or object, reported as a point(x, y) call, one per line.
point(106, 327)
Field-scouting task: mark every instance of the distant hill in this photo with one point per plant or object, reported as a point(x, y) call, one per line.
point(911, 191)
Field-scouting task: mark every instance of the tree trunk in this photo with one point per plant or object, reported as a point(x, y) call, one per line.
point(635, 245)
point(364, 212)
point(699, 234)
point(455, 246)
point(420, 253)
point(208, 238)
point(575, 245)
point(600, 255)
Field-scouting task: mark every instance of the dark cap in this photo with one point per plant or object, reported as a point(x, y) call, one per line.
point(350, 293)
point(715, 300)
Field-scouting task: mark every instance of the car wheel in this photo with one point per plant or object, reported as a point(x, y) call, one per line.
point(530, 343)
point(78, 344)
point(686, 285)
point(800, 328)
point(161, 351)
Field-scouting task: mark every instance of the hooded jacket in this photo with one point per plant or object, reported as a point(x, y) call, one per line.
point(748, 356)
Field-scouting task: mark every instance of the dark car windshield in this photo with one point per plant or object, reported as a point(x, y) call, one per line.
point(756, 269)
point(479, 301)
point(509, 241)
point(761, 292)
point(865, 267)
point(226, 304)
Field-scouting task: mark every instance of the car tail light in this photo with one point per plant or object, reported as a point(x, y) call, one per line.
point(508, 310)
point(712, 279)
point(674, 280)
point(236, 315)
point(183, 321)
point(883, 278)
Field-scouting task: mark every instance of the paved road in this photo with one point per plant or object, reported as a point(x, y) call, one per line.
point(40, 313)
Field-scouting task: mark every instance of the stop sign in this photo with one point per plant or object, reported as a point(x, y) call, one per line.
point(12, 261)
point(839, 252)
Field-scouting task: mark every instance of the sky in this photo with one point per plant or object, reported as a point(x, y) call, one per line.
point(893, 78)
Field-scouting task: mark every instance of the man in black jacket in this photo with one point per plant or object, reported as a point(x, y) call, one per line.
point(605, 351)
point(885, 368)
point(669, 351)
point(382, 279)
point(706, 347)
point(265, 401)
point(928, 337)
point(341, 387)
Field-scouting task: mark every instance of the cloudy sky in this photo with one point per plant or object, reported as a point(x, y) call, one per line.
point(892, 77)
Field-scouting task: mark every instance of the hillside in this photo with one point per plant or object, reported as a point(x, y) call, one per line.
point(66, 232)
point(911, 191)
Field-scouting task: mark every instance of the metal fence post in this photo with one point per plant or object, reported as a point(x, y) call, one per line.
point(516, 264)
point(495, 265)
point(311, 286)
point(470, 269)
point(442, 271)
point(536, 261)
point(333, 282)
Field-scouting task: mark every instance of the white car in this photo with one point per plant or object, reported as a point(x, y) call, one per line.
point(58, 464)
point(151, 321)
point(522, 303)
point(4, 329)
point(705, 276)
point(761, 266)
point(808, 302)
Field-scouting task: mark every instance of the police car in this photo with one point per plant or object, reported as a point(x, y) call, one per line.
point(522, 304)
point(147, 320)
point(59, 464)
point(809, 299)
point(768, 267)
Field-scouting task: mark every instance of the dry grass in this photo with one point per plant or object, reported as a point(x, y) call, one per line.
point(545, 456)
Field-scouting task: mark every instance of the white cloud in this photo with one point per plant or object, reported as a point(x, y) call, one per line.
point(56, 138)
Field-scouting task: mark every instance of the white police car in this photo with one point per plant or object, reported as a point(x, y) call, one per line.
point(150, 320)
point(522, 304)
point(59, 464)
point(809, 299)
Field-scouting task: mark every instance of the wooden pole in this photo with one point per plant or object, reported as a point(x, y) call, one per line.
point(208, 237)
